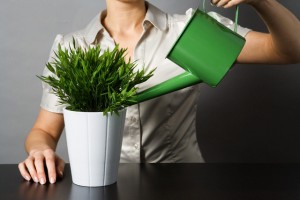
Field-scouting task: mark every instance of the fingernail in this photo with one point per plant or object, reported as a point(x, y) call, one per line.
point(27, 178)
point(61, 173)
point(36, 179)
point(52, 180)
point(42, 181)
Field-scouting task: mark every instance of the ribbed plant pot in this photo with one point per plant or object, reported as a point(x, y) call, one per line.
point(94, 145)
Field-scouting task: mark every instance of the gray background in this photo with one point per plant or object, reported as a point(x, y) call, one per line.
point(253, 116)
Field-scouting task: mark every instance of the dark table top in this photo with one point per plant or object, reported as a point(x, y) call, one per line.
point(167, 182)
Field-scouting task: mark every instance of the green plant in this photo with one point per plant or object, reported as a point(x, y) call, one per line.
point(87, 81)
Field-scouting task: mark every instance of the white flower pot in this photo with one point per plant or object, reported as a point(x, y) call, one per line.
point(94, 146)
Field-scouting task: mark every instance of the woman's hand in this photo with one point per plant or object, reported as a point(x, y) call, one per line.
point(281, 45)
point(36, 163)
point(40, 144)
point(231, 3)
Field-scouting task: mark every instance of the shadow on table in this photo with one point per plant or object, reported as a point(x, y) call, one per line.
point(35, 191)
point(101, 193)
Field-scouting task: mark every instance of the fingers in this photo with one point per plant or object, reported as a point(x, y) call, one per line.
point(23, 171)
point(50, 164)
point(39, 165)
point(226, 3)
point(34, 166)
point(29, 162)
point(220, 3)
point(60, 166)
point(231, 3)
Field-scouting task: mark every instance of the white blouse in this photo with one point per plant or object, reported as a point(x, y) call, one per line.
point(158, 130)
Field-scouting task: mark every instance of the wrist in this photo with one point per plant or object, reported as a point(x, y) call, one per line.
point(38, 148)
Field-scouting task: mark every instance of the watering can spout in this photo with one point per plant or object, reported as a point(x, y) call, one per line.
point(206, 50)
point(183, 80)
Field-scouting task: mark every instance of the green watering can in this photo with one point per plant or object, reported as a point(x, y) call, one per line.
point(206, 50)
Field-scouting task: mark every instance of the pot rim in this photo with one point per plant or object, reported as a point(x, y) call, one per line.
point(71, 111)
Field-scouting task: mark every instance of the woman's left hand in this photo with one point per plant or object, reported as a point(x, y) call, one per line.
point(231, 3)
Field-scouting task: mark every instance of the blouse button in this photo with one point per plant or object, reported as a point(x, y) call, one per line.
point(133, 119)
point(137, 146)
point(167, 126)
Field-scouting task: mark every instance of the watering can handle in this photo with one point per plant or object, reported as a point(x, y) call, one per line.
point(236, 14)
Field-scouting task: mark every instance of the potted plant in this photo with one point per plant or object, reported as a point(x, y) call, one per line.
point(96, 86)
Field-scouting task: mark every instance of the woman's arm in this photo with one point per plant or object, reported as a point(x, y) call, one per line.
point(40, 146)
point(281, 45)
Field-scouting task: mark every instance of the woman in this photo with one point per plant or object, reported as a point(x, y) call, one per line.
point(162, 129)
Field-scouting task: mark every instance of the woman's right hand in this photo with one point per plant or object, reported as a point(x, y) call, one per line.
point(40, 164)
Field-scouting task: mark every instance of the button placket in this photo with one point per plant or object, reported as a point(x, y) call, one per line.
point(137, 146)
point(134, 134)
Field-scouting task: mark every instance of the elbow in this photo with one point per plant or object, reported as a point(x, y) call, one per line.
point(293, 58)
point(296, 58)
point(293, 53)
point(296, 61)
point(288, 54)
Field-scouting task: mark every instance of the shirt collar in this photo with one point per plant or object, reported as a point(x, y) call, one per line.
point(93, 28)
point(154, 15)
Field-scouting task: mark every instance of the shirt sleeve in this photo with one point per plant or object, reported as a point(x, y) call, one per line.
point(242, 31)
point(50, 101)
point(229, 23)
